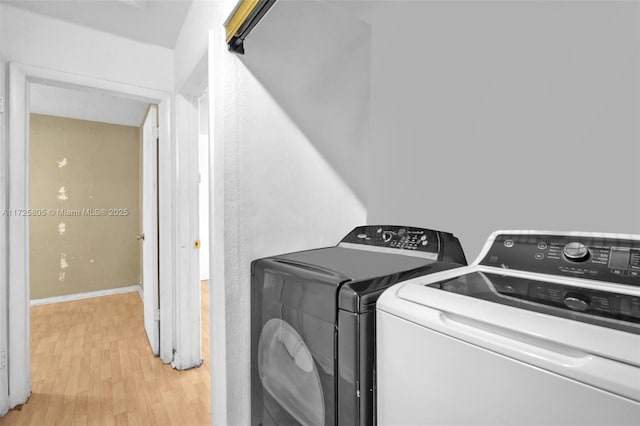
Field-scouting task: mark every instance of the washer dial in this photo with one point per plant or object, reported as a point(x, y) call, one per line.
point(577, 302)
point(576, 252)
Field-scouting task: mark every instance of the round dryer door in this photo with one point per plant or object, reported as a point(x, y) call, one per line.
point(288, 373)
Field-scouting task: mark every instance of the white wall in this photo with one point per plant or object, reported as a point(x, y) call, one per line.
point(38, 40)
point(315, 61)
point(494, 115)
point(279, 184)
point(84, 105)
point(192, 44)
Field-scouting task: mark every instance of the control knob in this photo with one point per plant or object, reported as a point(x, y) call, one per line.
point(577, 302)
point(576, 252)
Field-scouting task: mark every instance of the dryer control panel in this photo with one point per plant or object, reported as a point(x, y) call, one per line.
point(396, 237)
point(407, 241)
point(614, 260)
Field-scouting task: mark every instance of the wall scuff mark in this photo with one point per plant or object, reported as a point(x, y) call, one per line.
point(63, 265)
point(63, 261)
point(62, 194)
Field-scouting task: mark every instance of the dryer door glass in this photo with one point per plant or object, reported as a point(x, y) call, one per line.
point(288, 372)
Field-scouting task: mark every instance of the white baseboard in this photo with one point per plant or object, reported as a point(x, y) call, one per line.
point(140, 292)
point(88, 295)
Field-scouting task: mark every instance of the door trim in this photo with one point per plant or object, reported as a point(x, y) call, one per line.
point(17, 251)
point(19, 360)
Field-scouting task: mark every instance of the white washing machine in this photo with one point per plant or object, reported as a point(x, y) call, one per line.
point(542, 329)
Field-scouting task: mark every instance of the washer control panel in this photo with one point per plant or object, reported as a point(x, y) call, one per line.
point(395, 237)
point(604, 259)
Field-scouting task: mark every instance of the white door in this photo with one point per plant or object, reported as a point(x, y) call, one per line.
point(149, 236)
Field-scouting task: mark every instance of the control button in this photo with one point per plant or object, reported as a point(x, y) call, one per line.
point(634, 273)
point(386, 237)
point(509, 289)
point(379, 230)
point(542, 245)
point(425, 242)
point(576, 252)
point(362, 235)
point(424, 237)
point(616, 271)
point(508, 243)
point(539, 256)
point(577, 301)
point(401, 231)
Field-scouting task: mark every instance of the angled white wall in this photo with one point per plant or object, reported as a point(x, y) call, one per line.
point(315, 61)
point(279, 182)
point(33, 39)
point(493, 115)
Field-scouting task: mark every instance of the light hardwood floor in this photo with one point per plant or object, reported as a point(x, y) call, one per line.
point(91, 365)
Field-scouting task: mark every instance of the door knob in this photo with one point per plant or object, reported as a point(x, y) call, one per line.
point(140, 237)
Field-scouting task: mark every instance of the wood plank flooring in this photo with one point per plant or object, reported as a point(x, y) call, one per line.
point(91, 364)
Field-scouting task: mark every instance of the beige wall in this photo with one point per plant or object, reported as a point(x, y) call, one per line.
point(78, 165)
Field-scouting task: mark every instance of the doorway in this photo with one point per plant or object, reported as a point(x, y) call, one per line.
point(92, 175)
point(21, 78)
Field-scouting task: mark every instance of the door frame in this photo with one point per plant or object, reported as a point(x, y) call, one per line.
point(17, 250)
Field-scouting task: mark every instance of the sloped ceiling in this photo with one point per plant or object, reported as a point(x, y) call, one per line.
point(149, 21)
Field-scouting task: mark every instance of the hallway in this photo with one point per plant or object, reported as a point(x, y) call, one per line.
point(91, 364)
